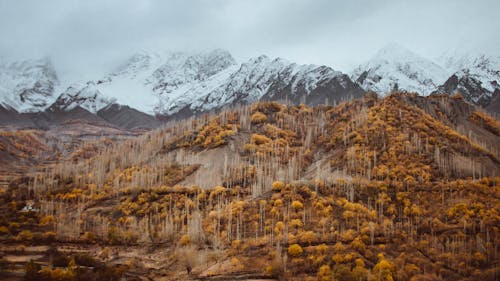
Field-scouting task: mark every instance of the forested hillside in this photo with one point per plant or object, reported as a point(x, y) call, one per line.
point(397, 188)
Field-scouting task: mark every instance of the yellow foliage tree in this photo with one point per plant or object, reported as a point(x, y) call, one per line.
point(185, 240)
point(383, 270)
point(297, 206)
point(325, 273)
point(295, 250)
point(258, 117)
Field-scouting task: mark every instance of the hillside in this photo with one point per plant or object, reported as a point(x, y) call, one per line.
point(403, 187)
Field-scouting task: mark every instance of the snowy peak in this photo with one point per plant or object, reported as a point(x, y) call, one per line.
point(183, 91)
point(181, 68)
point(27, 86)
point(262, 78)
point(137, 64)
point(476, 77)
point(146, 80)
point(214, 62)
point(456, 60)
point(85, 95)
point(486, 68)
point(396, 68)
point(181, 84)
point(395, 53)
point(178, 84)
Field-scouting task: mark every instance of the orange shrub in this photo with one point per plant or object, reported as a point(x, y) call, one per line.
point(258, 117)
point(259, 139)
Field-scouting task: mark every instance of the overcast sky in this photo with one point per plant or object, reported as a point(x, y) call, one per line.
point(88, 34)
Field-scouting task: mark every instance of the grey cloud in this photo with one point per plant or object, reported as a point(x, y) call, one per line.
point(90, 35)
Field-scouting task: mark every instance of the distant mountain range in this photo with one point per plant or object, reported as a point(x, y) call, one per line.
point(148, 86)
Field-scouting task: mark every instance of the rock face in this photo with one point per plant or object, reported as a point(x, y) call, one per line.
point(85, 95)
point(468, 86)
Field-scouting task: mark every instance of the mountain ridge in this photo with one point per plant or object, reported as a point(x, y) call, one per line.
point(180, 84)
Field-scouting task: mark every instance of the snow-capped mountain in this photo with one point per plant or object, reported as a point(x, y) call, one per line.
point(151, 82)
point(184, 84)
point(27, 86)
point(126, 85)
point(180, 84)
point(185, 78)
point(263, 78)
point(475, 77)
point(396, 68)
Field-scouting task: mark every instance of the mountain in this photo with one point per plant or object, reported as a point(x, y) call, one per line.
point(171, 85)
point(148, 82)
point(175, 85)
point(263, 78)
point(476, 78)
point(27, 86)
point(185, 78)
point(183, 84)
point(396, 68)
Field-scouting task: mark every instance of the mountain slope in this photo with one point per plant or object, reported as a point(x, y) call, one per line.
point(54, 117)
point(494, 105)
point(10, 117)
point(128, 118)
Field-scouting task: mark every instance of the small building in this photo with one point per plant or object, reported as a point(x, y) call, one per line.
point(29, 207)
